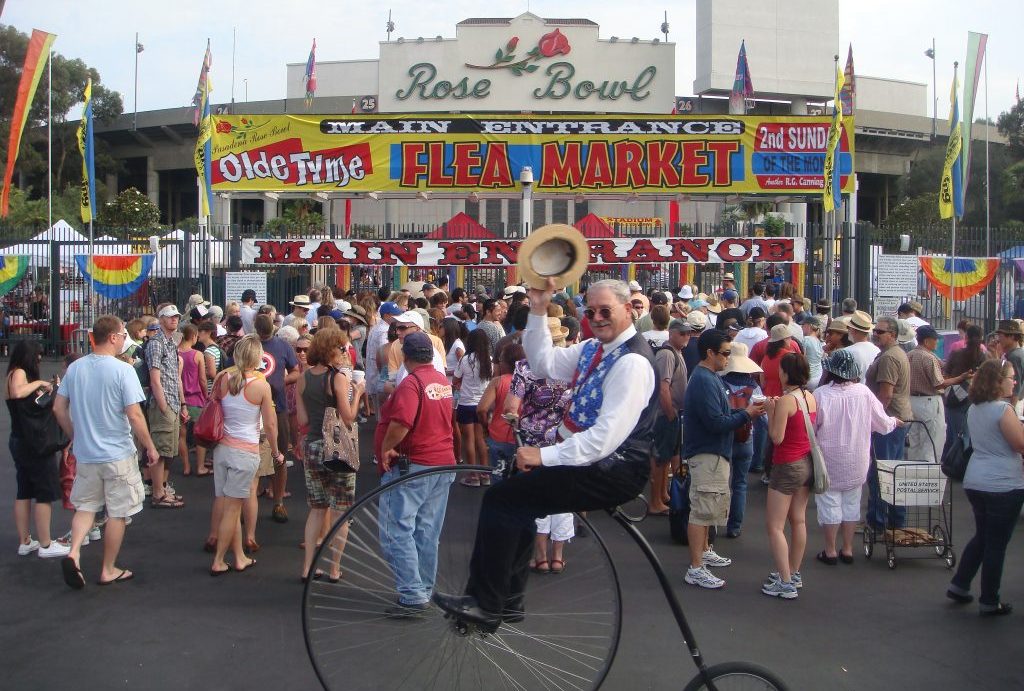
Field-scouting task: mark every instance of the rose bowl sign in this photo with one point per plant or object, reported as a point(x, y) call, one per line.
point(526, 64)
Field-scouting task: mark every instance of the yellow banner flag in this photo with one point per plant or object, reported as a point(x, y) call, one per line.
point(830, 192)
point(88, 193)
point(951, 188)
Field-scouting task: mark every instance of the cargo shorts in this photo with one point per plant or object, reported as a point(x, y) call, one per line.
point(709, 489)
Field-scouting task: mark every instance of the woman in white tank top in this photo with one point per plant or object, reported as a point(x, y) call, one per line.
point(245, 398)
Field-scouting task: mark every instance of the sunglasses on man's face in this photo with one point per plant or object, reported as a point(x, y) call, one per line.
point(301, 350)
point(603, 312)
point(882, 332)
point(405, 327)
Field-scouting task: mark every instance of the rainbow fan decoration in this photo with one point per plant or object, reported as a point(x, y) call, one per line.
point(969, 275)
point(12, 270)
point(115, 276)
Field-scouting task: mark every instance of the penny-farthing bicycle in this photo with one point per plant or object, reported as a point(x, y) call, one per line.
point(566, 640)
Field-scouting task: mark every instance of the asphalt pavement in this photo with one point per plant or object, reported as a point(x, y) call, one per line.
point(862, 626)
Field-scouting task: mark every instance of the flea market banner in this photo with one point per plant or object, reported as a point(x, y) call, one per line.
point(497, 253)
point(478, 153)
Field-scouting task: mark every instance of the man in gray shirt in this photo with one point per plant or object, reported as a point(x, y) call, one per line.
point(671, 371)
point(1011, 336)
point(755, 300)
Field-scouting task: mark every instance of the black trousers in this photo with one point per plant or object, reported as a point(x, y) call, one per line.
point(995, 516)
point(504, 535)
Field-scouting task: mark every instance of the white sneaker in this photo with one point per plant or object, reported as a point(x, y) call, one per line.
point(795, 578)
point(787, 591)
point(26, 549)
point(710, 558)
point(703, 578)
point(54, 550)
point(95, 535)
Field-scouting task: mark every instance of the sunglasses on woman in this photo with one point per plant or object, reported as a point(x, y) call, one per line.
point(603, 312)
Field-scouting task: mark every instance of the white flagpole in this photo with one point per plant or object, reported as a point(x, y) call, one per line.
point(49, 142)
point(988, 229)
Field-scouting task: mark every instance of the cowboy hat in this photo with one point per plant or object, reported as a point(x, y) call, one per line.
point(860, 321)
point(556, 251)
point(739, 361)
point(714, 305)
point(1010, 327)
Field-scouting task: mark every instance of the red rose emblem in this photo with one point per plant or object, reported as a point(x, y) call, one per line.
point(554, 43)
point(223, 127)
point(512, 43)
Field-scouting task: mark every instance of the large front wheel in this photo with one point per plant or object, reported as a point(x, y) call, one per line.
point(357, 640)
point(737, 676)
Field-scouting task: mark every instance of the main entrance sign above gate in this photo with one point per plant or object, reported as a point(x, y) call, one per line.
point(612, 154)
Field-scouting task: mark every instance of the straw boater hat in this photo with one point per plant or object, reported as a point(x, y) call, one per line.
point(556, 251)
point(714, 305)
point(860, 321)
point(558, 332)
point(300, 301)
point(739, 361)
point(838, 326)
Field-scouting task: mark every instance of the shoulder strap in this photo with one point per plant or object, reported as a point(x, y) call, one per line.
point(802, 405)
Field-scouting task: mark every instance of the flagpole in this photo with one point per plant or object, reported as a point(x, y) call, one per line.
point(49, 141)
point(988, 229)
point(135, 98)
point(952, 265)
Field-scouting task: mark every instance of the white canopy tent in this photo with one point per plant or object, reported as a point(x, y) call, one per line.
point(40, 253)
point(168, 259)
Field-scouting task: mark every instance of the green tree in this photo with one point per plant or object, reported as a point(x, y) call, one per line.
point(920, 210)
point(1011, 126)
point(130, 212)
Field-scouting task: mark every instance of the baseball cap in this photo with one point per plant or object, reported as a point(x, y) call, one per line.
point(429, 286)
point(391, 308)
point(169, 311)
point(926, 331)
point(155, 326)
point(730, 295)
point(418, 346)
point(197, 299)
point(410, 317)
point(680, 325)
point(756, 313)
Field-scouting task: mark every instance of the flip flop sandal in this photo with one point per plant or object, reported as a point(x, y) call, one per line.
point(541, 567)
point(210, 546)
point(166, 502)
point(317, 575)
point(251, 564)
point(561, 566)
point(215, 573)
point(125, 575)
point(72, 574)
point(825, 559)
point(846, 558)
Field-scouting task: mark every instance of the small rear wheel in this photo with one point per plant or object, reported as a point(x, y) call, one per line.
point(869, 542)
point(950, 558)
point(635, 510)
point(890, 558)
point(941, 540)
point(737, 676)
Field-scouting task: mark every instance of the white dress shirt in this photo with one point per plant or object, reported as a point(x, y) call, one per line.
point(626, 390)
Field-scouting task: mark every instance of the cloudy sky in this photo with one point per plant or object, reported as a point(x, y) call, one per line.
point(889, 37)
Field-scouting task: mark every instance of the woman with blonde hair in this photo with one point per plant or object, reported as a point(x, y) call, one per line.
point(246, 399)
point(326, 383)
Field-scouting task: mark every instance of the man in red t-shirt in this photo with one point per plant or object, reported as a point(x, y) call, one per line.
point(415, 433)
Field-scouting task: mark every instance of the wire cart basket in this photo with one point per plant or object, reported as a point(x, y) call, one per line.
point(919, 510)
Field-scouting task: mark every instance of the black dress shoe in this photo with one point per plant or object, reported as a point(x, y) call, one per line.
point(466, 609)
point(1003, 608)
point(514, 610)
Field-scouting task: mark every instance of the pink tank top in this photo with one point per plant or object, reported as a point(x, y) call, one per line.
point(195, 395)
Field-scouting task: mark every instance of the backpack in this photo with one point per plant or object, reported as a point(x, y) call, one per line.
point(141, 366)
point(677, 360)
point(740, 400)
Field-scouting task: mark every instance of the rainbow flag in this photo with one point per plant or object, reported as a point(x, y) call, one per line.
point(968, 275)
point(88, 158)
point(115, 276)
point(203, 86)
point(35, 59)
point(310, 76)
point(12, 270)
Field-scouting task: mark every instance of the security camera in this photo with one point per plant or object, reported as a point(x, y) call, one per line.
point(526, 176)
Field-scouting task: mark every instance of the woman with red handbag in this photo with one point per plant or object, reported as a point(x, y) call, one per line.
point(245, 397)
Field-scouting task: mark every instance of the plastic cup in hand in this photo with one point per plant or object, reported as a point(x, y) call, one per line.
point(358, 376)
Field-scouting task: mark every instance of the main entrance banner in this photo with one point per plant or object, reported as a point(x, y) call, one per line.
point(613, 154)
point(497, 253)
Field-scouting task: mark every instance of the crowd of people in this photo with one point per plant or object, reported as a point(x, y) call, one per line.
point(704, 385)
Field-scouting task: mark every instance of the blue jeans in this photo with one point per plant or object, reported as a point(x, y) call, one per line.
point(888, 447)
point(760, 441)
point(995, 516)
point(741, 457)
point(498, 453)
point(411, 518)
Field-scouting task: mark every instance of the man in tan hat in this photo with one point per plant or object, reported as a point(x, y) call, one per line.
point(300, 310)
point(1011, 337)
point(859, 328)
point(672, 376)
point(912, 311)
